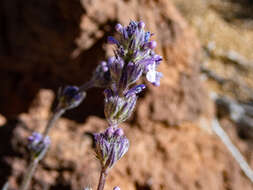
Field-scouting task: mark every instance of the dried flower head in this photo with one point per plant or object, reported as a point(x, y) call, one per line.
point(70, 97)
point(111, 145)
point(38, 144)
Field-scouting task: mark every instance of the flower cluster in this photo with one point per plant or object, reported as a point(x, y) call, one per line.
point(111, 145)
point(38, 144)
point(134, 56)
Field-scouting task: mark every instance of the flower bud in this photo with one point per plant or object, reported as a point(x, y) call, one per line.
point(141, 24)
point(118, 27)
point(109, 132)
point(116, 65)
point(70, 97)
point(119, 132)
point(101, 76)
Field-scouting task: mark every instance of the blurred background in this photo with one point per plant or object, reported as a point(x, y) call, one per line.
point(207, 65)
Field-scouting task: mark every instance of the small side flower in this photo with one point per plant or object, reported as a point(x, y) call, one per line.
point(70, 97)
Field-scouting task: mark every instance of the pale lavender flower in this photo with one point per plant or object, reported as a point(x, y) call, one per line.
point(111, 145)
point(116, 188)
point(70, 97)
point(152, 75)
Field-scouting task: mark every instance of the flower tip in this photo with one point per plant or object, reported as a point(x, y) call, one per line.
point(103, 63)
point(118, 27)
point(109, 132)
point(116, 188)
point(152, 44)
point(119, 132)
point(141, 24)
point(107, 93)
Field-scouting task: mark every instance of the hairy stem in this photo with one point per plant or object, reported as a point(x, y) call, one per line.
point(34, 163)
point(28, 176)
point(86, 86)
point(57, 114)
point(102, 179)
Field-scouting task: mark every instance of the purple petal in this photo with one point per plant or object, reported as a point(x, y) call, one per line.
point(119, 132)
point(141, 25)
point(135, 90)
point(118, 28)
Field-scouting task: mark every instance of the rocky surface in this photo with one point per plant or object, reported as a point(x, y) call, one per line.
point(183, 157)
point(47, 44)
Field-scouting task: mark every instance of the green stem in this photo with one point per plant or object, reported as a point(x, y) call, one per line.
point(102, 179)
point(30, 171)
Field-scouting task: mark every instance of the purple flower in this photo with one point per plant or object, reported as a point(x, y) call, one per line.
point(38, 144)
point(134, 56)
point(116, 65)
point(116, 188)
point(70, 97)
point(111, 145)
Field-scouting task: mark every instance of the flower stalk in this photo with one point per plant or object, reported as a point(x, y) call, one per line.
point(28, 176)
point(68, 98)
point(56, 115)
point(102, 179)
point(133, 57)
